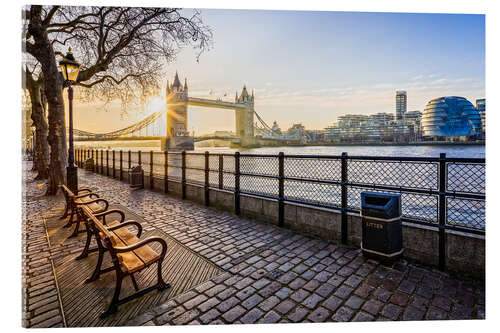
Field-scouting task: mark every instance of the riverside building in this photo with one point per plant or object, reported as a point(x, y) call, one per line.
point(401, 102)
point(451, 118)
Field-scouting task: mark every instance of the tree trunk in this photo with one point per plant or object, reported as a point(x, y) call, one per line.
point(38, 107)
point(53, 85)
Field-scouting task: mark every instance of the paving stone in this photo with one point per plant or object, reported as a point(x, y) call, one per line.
point(325, 289)
point(372, 306)
point(284, 306)
point(252, 301)
point(312, 301)
point(391, 311)
point(407, 286)
point(411, 313)
point(208, 304)
point(362, 316)
point(343, 314)
point(284, 292)
point(354, 302)
point(311, 285)
point(441, 302)
point(343, 291)
point(297, 314)
point(420, 302)
point(226, 293)
point(170, 314)
point(195, 301)
point(228, 304)
point(209, 316)
point(399, 298)
point(434, 313)
point(233, 314)
point(269, 303)
point(319, 315)
point(270, 318)
point(186, 317)
point(259, 284)
point(382, 294)
point(364, 291)
point(245, 293)
point(332, 303)
point(243, 283)
point(299, 295)
point(269, 289)
point(252, 316)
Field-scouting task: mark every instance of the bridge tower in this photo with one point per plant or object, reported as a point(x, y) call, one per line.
point(244, 117)
point(177, 127)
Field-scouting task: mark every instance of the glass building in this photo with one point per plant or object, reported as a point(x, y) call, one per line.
point(451, 116)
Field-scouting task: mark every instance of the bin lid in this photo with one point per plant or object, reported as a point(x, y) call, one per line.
point(381, 204)
point(136, 168)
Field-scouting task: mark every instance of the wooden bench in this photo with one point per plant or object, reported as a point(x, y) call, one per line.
point(128, 252)
point(84, 197)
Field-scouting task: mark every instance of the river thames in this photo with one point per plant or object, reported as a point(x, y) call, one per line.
point(394, 150)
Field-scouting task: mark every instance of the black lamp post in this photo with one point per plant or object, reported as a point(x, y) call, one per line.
point(69, 70)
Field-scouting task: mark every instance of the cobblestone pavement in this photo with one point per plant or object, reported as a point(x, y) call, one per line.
point(272, 274)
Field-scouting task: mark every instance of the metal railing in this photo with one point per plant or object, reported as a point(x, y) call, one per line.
point(446, 193)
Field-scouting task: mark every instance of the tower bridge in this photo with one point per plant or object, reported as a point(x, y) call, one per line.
point(177, 135)
point(177, 108)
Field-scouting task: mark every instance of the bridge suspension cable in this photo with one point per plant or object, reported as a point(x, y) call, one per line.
point(121, 132)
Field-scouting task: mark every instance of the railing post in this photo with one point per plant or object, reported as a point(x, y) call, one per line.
point(139, 161)
point(121, 164)
point(165, 165)
point(151, 182)
point(237, 183)
point(281, 189)
point(343, 182)
point(129, 160)
point(183, 174)
point(107, 162)
point(221, 171)
point(102, 162)
point(113, 155)
point(442, 211)
point(207, 190)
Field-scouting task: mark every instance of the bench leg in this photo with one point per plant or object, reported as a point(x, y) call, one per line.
point(77, 226)
point(70, 221)
point(66, 210)
point(161, 284)
point(85, 251)
point(113, 306)
point(134, 282)
point(97, 271)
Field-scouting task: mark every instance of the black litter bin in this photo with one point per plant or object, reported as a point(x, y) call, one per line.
point(381, 223)
point(136, 177)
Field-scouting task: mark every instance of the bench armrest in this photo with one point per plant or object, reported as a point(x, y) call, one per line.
point(163, 243)
point(106, 203)
point(107, 212)
point(90, 194)
point(127, 223)
point(84, 190)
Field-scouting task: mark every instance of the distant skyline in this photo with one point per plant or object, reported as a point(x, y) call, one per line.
point(311, 67)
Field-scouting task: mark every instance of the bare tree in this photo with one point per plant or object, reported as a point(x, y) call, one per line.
point(123, 51)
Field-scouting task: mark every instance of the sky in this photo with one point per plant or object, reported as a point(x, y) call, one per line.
point(311, 67)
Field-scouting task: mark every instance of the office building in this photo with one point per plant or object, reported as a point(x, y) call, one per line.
point(401, 102)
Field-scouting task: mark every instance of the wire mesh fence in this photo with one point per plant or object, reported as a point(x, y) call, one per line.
point(321, 180)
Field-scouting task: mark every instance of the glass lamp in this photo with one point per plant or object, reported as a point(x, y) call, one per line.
point(69, 67)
